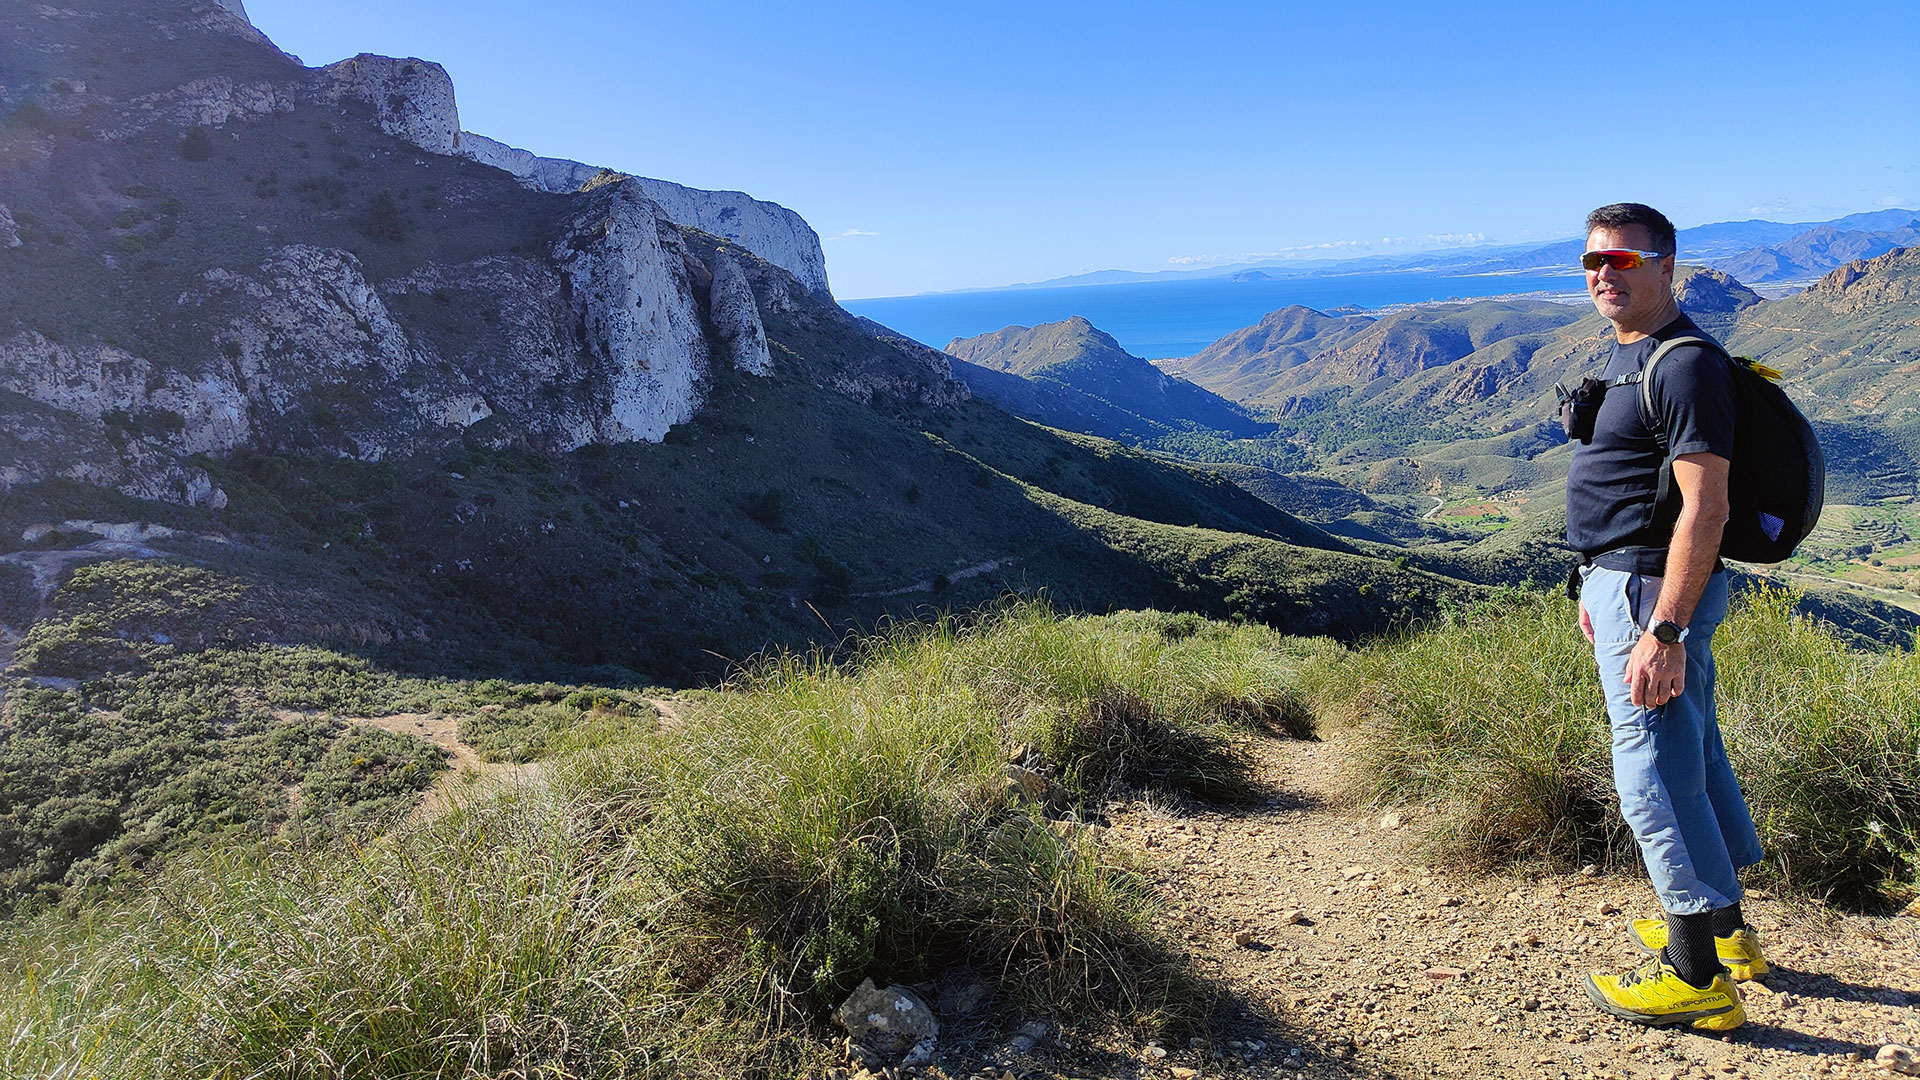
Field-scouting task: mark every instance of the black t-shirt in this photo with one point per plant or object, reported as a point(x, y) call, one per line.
point(1612, 483)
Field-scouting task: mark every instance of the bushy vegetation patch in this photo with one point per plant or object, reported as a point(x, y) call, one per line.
point(692, 900)
point(1151, 701)
point(148, 720)
point(525, 722)
point(1495, 720)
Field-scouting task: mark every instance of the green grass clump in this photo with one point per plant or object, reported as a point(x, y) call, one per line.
point(689, 900)
point(1495, 719)
point(1140, 699)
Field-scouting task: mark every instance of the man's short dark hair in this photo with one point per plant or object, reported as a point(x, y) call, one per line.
point(1621, 214)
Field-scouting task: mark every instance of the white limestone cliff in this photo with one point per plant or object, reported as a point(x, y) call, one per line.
point(412, 98)
point(310, 323)
point(305, 353)
point(100, 415)
point(769, 230)
point(557, 175)
point(204, 413)
point(633, 296)
point(9, 230)
point(736, 317)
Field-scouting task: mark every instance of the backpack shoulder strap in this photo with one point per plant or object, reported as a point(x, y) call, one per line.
point(1645, 375)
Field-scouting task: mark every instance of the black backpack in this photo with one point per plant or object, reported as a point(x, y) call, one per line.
point(1778, 479)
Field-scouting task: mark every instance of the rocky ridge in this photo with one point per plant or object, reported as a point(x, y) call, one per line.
point(600, 326)
point(769, 230)
point(414, 100)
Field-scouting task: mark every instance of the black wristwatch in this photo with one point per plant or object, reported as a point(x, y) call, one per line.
point(1667, 632)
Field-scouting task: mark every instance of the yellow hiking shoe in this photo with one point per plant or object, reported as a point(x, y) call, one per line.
point(1654, 994)
point(1739, 951)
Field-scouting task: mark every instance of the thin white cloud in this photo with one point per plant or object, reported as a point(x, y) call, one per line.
point(1430, 240)
point(853, 232)
point(1894, 200)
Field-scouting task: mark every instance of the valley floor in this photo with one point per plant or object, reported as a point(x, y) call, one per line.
point(1398, 970)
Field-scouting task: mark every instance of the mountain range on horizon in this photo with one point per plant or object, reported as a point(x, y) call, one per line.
point(1756, 251)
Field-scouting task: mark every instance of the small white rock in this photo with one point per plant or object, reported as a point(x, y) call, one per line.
point(1894, 1057)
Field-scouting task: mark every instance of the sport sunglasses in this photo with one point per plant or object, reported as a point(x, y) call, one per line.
point(1619, 259)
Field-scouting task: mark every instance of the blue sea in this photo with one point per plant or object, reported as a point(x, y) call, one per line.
point(1159, 319)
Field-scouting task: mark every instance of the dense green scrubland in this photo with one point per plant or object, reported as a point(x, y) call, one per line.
point(692, 897)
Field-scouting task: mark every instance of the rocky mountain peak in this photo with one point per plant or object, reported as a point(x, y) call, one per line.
point(1712, 298)
point(412, 98)
point(1700, 289)
point(1027, 350)
point(1892, 278)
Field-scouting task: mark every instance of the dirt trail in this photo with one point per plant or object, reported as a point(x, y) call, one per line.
point(668, 710)
point(1355, 961)
point(1396, 970)
point(468, 778)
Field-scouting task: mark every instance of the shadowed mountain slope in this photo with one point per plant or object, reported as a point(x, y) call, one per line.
point(1075, 356)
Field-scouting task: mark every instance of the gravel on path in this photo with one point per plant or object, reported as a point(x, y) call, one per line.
point(1352, 959)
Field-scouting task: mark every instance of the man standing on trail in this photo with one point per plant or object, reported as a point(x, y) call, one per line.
point(1653, 591)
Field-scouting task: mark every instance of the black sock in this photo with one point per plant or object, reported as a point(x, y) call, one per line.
point(1728, 919)
point(1690, 947)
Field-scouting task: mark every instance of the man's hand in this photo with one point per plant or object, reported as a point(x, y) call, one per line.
point(1586, 624)
point(1656, 673)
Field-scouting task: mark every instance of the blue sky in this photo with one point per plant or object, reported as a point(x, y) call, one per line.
point(947, 146)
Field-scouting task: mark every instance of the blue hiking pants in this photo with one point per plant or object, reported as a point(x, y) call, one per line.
point(1677, 790)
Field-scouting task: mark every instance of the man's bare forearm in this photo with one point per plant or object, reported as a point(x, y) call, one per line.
point(1696, 544)
point(1690, 559)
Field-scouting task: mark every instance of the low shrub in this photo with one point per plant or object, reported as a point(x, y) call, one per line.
point(19, 599)
point(196, 144)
